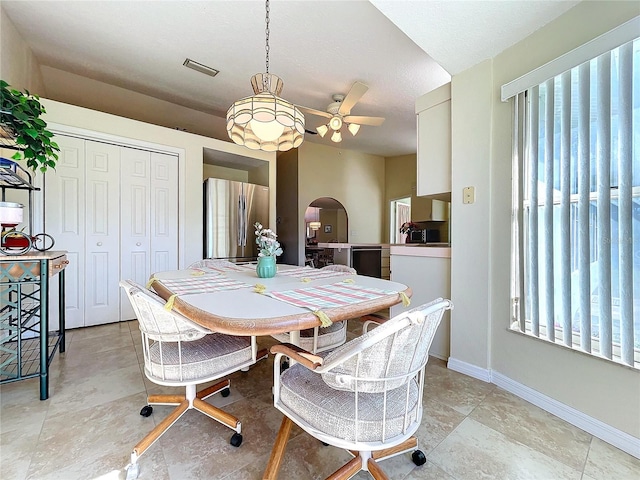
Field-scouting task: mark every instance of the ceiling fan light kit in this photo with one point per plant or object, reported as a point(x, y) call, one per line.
point(265, 121)
point(339, 111)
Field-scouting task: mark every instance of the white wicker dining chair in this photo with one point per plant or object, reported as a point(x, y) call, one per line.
point(320, 339)
point(179, 352)
point(365, 396)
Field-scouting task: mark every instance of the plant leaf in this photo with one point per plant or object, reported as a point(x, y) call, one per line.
point(20, 115)
point(32, 133)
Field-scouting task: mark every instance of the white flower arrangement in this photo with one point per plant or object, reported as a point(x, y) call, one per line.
point(266, 241)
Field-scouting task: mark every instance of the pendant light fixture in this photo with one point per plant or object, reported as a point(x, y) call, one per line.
point(315, 224)
point(265, 121)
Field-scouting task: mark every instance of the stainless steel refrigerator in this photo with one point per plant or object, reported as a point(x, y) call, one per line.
point(230, 210)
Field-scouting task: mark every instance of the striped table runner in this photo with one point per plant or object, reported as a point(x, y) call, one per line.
point(193, 285)
point(222, 269)
point(331, 296)
point(310, 273)
point(203, 284)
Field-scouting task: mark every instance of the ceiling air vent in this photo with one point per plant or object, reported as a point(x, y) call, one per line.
point(199, 67)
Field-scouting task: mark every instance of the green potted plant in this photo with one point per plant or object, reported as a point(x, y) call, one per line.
point(22, 127)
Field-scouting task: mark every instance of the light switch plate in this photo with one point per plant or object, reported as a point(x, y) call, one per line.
point(468, 195)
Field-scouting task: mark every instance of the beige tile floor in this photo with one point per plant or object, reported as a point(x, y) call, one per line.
point(86, 429)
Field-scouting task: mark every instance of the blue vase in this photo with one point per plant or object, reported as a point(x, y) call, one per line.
point(266, 267)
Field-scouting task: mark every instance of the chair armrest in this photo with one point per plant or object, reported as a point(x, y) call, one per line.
point(300, 355)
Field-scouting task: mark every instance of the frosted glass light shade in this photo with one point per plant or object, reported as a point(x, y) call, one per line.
point(336, 137)
point(335, 123)
point(322, 130)
point(267, 131)
point(353, 128)
point(265, 121)
point(315, 225)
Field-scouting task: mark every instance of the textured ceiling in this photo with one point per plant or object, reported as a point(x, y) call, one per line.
point(459, 34)
point(318, 48)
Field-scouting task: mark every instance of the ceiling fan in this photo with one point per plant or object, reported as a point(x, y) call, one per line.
point(338, 113)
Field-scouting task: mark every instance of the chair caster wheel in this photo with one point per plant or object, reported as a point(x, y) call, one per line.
point(236, 440)
point(226, 392)
point(146, 411)
point(418, 458)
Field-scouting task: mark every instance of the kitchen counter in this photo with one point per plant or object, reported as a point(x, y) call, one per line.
point(421, 250)
point(340, 246)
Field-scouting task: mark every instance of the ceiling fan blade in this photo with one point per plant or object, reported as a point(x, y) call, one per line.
point(358, 89)
point(372, 121)
point(312, 111)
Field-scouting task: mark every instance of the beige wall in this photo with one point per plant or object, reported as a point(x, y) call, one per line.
point(470, 264)
point(354, 179)
point(63, 117)
point(339, 224)
point(216, 171)
point(18, 66)
point(327, 217)
point(481, 156)
point(69, 88)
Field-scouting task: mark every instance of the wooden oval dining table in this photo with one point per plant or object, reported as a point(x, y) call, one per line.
point(235, 301)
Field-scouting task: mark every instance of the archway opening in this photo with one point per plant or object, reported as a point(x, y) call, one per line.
point(326, 221)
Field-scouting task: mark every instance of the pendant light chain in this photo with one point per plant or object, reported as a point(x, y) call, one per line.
point(267, 34)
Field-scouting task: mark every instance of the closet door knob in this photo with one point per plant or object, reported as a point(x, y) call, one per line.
point(99, 244)
point(138, 244)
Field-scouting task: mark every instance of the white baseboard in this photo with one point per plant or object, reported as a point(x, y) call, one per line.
point(619, 439)
point(470, 370)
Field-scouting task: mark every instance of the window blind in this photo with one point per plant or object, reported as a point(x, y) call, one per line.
point(576, 216)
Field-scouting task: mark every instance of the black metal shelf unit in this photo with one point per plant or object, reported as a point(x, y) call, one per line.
point(27, 346)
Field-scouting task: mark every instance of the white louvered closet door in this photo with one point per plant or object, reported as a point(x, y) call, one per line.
point(149, 226)
point(102, 238)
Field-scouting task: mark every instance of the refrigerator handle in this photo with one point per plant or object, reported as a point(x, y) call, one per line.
point(240, 221)
point(244, 220)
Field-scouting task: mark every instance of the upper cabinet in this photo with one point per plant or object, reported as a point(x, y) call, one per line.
point(433, 112)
